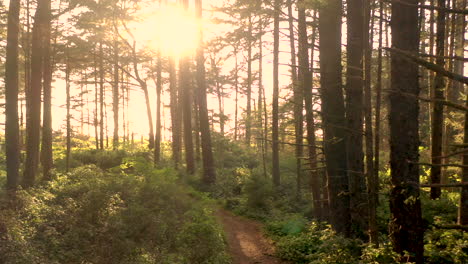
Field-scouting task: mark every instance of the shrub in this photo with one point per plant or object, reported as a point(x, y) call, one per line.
point(93, 216)
point(318, 245)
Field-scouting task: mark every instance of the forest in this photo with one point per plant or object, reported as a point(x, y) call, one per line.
point(233, 131)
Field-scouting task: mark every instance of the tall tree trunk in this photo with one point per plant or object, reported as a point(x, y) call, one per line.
point(459, 51)
point(46, 151)
point(333, 115)
point(354, 116)
point(374, 183)
point(12, 132)
point(261, 92)
point(236, 86)
point(123, 88)
point(157, 143)
point(186, 94)
point(438, 110)
point(101, 96)
point(275, 117)
point(209, 174)
point(176, 138)
point(68, 118)
point(197, 127)
point(115, 95)
point(96, 107)
point(371, 186)
point(298, 87)
point(144, 87)
point(305, 84)
point(27, 62)
point(219, 93)
point(33, 122)
point(248, 121)
point(463, 206)
point(405, 205)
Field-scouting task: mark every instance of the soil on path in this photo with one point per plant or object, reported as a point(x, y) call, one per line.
point(246, 243)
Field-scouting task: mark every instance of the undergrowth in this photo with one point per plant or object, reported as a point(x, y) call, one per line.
point(131, 213)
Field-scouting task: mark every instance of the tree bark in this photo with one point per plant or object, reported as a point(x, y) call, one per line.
point(299, 87)
point(305, 82)
point(209, 174)
point(157, 143)
point(33, 122)
point(115, 95)
point(96, 106)
point(333, 115)
point(354, 116)
point(248, 121)
point(12, 133)
point(275, 106)
point(68, 118)
point(101, 96)
point(438, 108)
point(46, 151)
point(406, 230)
point(176, 138)
point(186, 94)
point(374, 183)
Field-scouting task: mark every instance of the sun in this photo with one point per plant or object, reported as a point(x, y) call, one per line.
point(170, 29)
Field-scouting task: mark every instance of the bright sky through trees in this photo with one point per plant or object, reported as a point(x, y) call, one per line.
point(169, 29)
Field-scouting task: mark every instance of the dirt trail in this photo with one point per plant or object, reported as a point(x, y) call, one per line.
point(246, 243)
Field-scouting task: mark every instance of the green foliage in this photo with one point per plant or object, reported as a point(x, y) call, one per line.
point(291, 225)
point(318, 244)
point(446, 246)
point(134, 215)
point(381, 255)
point(104, 159)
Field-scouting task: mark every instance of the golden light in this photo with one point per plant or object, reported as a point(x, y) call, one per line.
point(170, 29)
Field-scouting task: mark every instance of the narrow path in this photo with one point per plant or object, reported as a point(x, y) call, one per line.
point(246, 243)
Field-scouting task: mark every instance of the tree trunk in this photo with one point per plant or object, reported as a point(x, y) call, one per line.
point(144, 87)
point(176, 138)
point(101, 96)
point(68, 118)
point(96, 107)
point(236, 86)
point(459, 51)
point(299, 87)
point(33, 122)
point(261, 99)
point(438, 110)
point(275, 117)
point(333, 115)
point(115, 95)
point(305, 84)
point(371, 186)
point(374, 183)
point(248, 121)
point(12, 132)
point(209, 174)
point(186, 94)
point(354, 116)
point(405, 205)
point(46, 151)
point(463, 206)
point(157, 143)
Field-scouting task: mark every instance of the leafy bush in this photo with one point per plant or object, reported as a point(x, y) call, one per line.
point(318, 245)
point(104, 159)
point(92, 216)
point(446, 246)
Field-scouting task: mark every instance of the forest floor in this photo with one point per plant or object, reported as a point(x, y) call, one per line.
point(246, 242)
